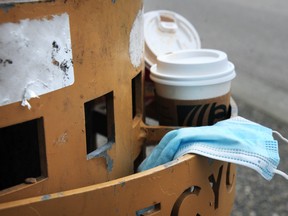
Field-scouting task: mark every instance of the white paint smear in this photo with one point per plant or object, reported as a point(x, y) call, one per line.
point(35, 58)
point(136, 44)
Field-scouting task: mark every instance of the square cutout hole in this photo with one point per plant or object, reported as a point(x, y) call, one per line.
point(22, 153)
point(99, 122)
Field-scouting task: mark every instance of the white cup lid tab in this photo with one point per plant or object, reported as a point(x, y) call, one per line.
point(167, 22)
point(166, 31)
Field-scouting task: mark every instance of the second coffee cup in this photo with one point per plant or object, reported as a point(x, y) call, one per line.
point(192, 87)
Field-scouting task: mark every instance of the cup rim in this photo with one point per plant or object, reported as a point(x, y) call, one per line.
point(182, 80)
point(172, 57)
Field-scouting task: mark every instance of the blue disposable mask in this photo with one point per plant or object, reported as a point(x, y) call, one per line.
point(236, 140)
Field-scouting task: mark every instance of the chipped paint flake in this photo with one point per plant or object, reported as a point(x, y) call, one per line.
point(123, 183)
point(102, 152)
point(35, 58)
point(136, 44)
point(46, 197)
point(29, 92)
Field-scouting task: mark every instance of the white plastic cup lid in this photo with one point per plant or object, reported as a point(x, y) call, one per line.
point(193, 68)
point(166, 31)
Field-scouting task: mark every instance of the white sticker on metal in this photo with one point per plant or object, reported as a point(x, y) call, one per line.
point(136, 43)
point(35, 58)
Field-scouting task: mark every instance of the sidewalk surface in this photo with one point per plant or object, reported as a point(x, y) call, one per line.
point(254, 195)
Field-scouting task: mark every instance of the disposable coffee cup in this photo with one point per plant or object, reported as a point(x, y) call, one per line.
point(192, 87)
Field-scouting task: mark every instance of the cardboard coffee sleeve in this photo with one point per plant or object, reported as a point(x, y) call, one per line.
point(192, 112)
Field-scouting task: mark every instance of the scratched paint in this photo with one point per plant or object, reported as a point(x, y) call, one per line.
point(6, 7)
point(21, 1)
point(136, 43)
point(62, 139)
point(35, 58)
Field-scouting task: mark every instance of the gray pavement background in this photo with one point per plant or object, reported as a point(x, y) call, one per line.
point(254, 34)
point(254, 195)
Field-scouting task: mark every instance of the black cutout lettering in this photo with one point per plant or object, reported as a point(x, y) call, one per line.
point(216, 186)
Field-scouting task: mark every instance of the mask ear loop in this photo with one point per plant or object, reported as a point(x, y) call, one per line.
point(280, 135)
point(279, 172)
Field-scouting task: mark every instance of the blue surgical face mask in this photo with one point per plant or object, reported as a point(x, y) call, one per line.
point(235, 140)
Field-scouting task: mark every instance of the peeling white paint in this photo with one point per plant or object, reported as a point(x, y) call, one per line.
point(136, 44)
point(28, 94)
point(35, 58)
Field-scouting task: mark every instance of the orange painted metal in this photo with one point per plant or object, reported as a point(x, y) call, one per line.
point(74, 185)
point(181, 187)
